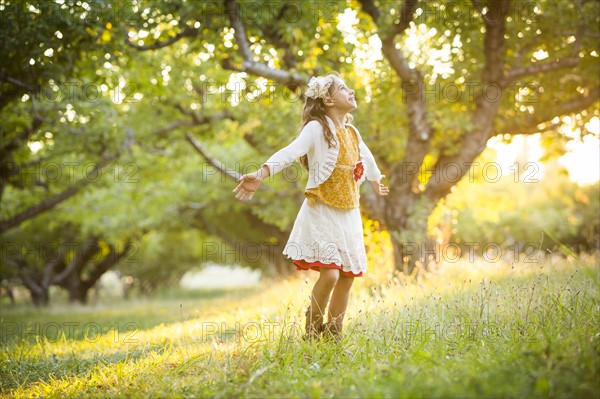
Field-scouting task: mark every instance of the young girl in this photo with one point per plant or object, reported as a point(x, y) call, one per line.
point(327, 235)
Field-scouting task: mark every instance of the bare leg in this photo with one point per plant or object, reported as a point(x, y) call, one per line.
point(318, 303)
point(322, 289)
point(339, 299)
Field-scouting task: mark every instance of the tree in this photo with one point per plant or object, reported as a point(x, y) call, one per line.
point(455, 75)
point(77, 150)
point(55, 143)
point(504, 68)
point(48, 252)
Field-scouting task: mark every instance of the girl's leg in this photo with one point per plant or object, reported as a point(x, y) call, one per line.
point(319, 298)
point(339, 300)
point(322, 289)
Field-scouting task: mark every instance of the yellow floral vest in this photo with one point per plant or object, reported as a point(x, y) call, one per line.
point(340, 190)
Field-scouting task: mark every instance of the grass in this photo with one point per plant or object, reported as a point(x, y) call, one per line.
point(469, 329)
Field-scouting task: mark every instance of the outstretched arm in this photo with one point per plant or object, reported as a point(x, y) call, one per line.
point(300, 146)
point(249, 183)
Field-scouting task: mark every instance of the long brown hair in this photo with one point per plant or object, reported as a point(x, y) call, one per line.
point(314, 110)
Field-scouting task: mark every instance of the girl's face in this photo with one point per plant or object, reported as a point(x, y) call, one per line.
point(341, 97)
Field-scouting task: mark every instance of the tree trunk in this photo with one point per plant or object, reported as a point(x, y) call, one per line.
point(406, 219)
point(73, 279)
point(39, 292)
point(6, 287)
point(40, 295)
point(40, 298)
point(77, 291)
point(282, 266)
point(78, 294)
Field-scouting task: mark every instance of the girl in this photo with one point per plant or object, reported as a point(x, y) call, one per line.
point(327, 235)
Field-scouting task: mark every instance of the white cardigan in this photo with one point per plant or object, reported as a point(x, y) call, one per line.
point(321, 159)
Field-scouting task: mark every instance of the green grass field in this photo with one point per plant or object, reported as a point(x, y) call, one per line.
point(463, 330)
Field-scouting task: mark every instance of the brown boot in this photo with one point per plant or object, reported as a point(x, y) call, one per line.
point(333, 330)
point(314, 325)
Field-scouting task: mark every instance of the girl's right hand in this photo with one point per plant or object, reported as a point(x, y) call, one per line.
point(249, 183)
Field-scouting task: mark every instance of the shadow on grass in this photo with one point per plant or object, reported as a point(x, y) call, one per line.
point(22, 330)
point(77, 322)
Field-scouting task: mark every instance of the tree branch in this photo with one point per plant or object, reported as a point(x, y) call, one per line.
point(172, 126)
point(272, 33)
point(529, 123)
point(53, 264)
point(252, 142)
point(72, 190)
point(232, 175)
point(51, 202)
point(161, 44)
point(494, 41)
point(516, 73)
point(26, 276)
point(406, 16)
point(531, 129)
point(451, 168)
point(371, 8)
point(395, 57)
point(78, 263)
point(292, 80)
point(18, 83)
point(196, 120)
point(110, 260)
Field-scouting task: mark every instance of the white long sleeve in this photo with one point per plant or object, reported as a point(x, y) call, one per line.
point(302, 145)
point(371, 170)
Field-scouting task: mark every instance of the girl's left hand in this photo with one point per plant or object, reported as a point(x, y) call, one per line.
point(379, 188)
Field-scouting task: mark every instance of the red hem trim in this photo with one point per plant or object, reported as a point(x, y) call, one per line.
point(301, 264)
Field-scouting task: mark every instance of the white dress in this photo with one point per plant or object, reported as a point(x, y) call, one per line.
point(328, 235)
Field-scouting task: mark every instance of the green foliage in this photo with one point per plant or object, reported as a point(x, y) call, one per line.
point(534, 214)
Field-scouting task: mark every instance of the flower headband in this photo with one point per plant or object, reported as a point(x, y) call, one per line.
point(318, 87)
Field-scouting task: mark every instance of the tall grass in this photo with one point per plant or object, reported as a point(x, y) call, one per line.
point(469, 329)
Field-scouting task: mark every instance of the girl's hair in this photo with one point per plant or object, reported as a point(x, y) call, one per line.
point(314, 110)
